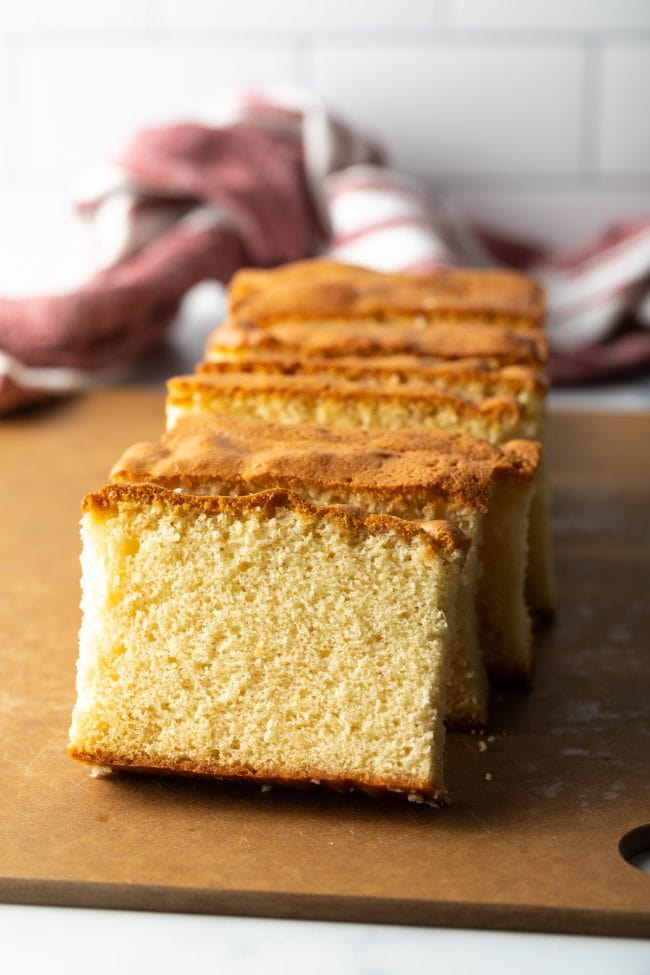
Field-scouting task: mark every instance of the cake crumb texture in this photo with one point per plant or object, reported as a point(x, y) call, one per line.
point(263, 638)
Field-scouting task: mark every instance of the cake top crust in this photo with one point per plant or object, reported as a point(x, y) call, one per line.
point(321, 290)
point(439, 538)
point(465, 340)
point(251, 454)
point(503, 409)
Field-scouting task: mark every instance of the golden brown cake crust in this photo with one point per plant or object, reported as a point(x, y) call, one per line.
point(312, 778)
point(440, 537)
point(521, 458)
point(386, 368)
point(253, 455)
point(323, 290)
point(500, 345)
point(184, 389)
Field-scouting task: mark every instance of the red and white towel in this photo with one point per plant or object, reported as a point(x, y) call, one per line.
point(270, 176)
point(599, 298)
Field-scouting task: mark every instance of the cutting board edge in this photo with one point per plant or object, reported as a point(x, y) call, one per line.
point(532, 918)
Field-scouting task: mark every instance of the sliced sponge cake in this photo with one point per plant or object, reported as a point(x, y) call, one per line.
point(264, 638)
point(308, 399)
point(413, 474)
point(499, 344)
point(322, 291)
point(473, 379)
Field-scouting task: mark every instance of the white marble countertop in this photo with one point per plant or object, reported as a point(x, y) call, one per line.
point(66, 941)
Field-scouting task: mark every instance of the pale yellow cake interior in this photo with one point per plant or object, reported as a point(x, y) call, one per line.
point(468, 692)
point(263, 647)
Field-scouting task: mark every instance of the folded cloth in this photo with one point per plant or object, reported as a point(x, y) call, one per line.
point(270, 176)
point(599, 299)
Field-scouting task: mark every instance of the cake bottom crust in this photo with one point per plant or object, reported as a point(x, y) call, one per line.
point(420, 792)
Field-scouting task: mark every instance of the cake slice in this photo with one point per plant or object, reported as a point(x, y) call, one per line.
point(473, 379)
point(264, 638)
point(323, 291)
point(415, 475)
point(308, 399)
point(499, 345)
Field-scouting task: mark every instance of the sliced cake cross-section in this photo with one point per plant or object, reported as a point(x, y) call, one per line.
point(264, 638)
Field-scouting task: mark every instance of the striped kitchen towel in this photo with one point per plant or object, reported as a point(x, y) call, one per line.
point(598, 299)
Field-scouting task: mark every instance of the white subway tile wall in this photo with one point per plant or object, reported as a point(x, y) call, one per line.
point(80, 102)
point(581, 15)
point(301, 15)
point(76, 15)
point(457, 110)
point(531, 114)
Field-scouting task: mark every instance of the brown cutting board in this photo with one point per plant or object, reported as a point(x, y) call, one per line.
point(531, 840)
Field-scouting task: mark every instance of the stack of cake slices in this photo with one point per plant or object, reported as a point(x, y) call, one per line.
point(338, 545)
